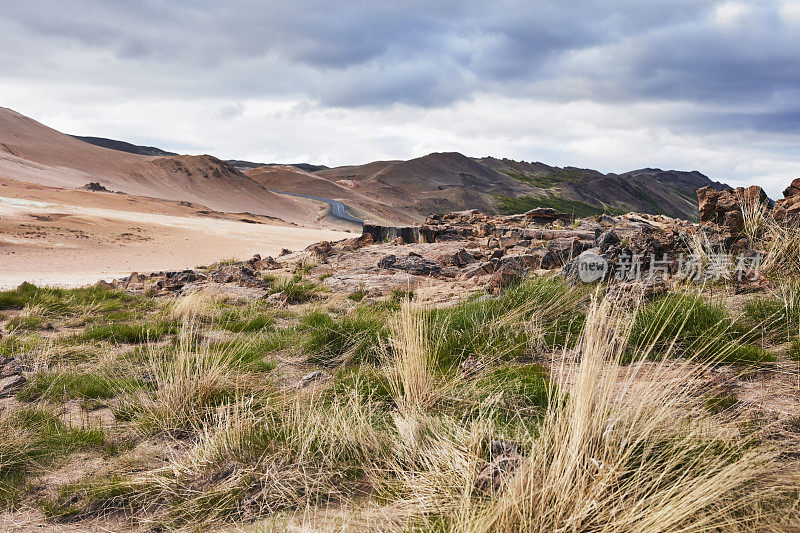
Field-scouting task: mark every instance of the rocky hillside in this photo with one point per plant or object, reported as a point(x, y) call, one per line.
point(403, 191)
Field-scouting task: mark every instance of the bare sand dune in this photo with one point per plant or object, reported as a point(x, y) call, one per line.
point(70, 238)
point(32, 152)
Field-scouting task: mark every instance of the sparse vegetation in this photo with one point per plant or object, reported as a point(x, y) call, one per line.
point(508, 205)
point(411, 407)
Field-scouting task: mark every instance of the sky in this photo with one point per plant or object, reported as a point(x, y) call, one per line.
point(614, 85)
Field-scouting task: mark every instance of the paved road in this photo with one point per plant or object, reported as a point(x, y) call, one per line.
point(338, 209)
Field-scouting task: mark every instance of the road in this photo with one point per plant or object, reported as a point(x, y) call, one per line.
point(338, 209)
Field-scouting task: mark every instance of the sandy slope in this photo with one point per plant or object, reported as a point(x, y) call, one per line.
point(32, 152)
point(287, 178)
point(68, 238)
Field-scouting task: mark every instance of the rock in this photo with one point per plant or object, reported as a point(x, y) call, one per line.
point(459, 258)
point(508, 274)
point(787, 209)
point(479, 270)
point(279, 299)
point(350, 245)
point(267, 263)
point(311, 378)
point(607, 239)
point(11, 377)
point(226, 292)
point(546, 258)
point(285, 251)
point(319, 251)
point(724, 208)
point(567, 248)
point(239, 273)
point(505, 458)
point(412, 263)
point(793, 189)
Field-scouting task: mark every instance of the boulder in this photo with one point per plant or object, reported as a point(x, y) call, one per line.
point(567, 248)
point(459, 258)
point(413, 264)
point(508, 274)
point(724, 208)
point(607, 239)
point(279, 299)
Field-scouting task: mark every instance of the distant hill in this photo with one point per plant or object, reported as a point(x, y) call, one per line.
point(239, 165)
point(407, 191)
point(32, 152)
point(249, 165)
point(122, 146)
point(441, 182)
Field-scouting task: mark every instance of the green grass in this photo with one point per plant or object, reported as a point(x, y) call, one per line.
point(298, 289)
point(537, 311)
point(774, 318)
point(358, 334)
point(90, 497)
point(367, 382)
point(63, 302)
point(67, 386)
point(794, 351)
point(245, 319)
point(544, 182)
point(30, 322)
point(508, 205)
point(33, 439)
point(356, 296)
point(13, 345)
point(704, 331)
point(129, 333)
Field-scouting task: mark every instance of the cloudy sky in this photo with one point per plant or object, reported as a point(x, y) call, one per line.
point(614, 85)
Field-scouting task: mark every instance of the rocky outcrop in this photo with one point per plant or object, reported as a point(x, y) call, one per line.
point(724, 208)
point(787, 209)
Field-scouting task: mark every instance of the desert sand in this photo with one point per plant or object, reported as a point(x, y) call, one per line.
point(68, 238)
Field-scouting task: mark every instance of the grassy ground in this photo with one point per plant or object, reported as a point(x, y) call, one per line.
point(197, 409)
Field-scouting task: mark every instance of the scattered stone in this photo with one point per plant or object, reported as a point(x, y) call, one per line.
point(458, 259)
point(278, 299)
point(494, 474)
point(11, 378)
point(606, 240)
point(311, 378)
point(508, 274)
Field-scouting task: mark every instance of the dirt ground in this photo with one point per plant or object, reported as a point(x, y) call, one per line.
point(62, 237)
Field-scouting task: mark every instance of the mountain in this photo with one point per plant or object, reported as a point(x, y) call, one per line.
point(122, 146)
point(441, 182)
point(238, 164)
point(31, 152)
point(395, 191)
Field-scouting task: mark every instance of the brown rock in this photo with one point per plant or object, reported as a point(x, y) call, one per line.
point(508, 274)
point(279, 299)
point(793, 189)
point(458, 259)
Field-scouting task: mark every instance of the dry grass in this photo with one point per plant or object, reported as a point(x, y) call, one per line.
point(780, 243)
point(614, 448)
point(609, 459)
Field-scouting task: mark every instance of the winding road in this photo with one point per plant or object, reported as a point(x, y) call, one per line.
point(338, 209)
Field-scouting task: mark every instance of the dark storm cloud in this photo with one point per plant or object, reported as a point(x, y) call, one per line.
point(430, 53)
